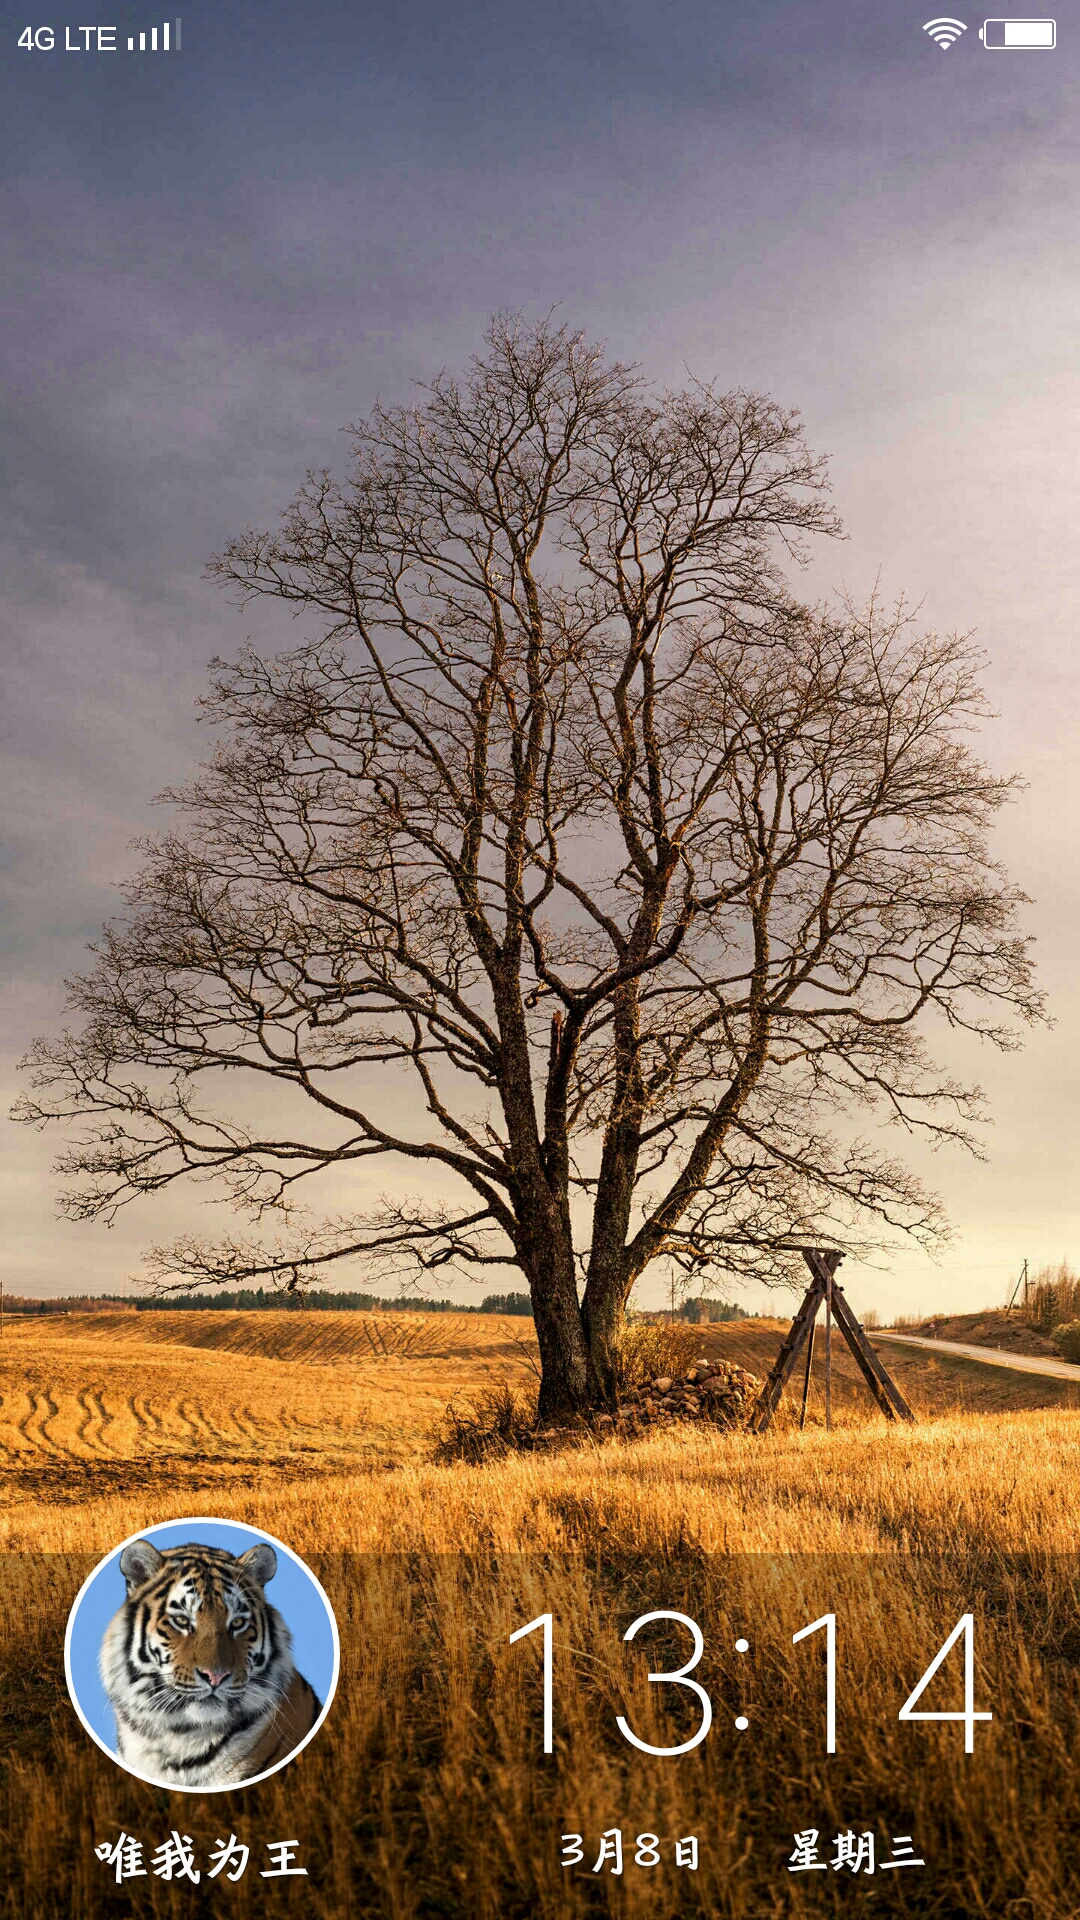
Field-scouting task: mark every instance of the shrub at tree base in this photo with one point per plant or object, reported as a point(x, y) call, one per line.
point(487, 1427)
point(499, 1422)
point(644, 1350)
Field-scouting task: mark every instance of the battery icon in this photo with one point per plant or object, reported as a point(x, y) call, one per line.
point(1018, 36)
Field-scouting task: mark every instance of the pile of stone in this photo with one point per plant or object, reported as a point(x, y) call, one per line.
point(713, 1390)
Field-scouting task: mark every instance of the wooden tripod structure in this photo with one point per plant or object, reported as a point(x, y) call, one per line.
point(823, 1262)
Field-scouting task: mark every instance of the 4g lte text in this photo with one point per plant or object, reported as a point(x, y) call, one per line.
point(75, 40)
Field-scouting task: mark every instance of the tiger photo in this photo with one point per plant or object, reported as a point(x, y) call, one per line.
point(198, 1667)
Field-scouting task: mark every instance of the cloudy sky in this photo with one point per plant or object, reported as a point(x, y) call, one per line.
point(214, 259)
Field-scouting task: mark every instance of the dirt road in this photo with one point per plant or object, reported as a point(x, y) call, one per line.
point(992, 1356)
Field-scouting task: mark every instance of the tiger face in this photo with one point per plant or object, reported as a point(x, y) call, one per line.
point(198, 1666)
point(200, 1616)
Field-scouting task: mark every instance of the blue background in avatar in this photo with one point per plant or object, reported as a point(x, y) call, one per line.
point(292, 1591)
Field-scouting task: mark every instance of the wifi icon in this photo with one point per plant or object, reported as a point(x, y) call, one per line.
point(944, 32)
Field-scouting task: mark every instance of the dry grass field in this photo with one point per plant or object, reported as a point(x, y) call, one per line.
point(428, 1794)
point(96, 1402)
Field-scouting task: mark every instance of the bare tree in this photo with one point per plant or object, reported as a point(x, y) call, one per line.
point(641, 874)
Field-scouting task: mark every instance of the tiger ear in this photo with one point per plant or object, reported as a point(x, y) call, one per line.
point(138, 1563)
point(261, 1561)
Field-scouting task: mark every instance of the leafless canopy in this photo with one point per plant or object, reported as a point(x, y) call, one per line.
point(571, 861)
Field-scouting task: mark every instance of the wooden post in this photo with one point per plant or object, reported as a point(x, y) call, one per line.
point(769, 1397)
point(823, 1262)
point(881, 1384)
point(828, 1353)
point(806, 1381)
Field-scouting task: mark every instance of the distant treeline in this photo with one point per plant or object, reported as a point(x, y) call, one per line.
point(697, 1312)
point(694, 1313)
point(253, 1300)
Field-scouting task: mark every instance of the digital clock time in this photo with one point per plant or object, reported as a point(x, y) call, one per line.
point(681, 1677)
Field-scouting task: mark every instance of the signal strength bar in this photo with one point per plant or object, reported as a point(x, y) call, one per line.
point(167, 44)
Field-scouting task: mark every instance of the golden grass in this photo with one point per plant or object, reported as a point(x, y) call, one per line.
point(427, 1793)
point(321, 1339)
point(99, 1400)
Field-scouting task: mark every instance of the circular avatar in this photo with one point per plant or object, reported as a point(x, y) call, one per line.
point(186, 1670)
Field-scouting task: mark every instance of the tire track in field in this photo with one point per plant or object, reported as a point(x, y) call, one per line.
point(185, 1421)
point(224, 1427)
point(208, 1435)
point(247, 1423)
point(90, 1430)
point(116, 1435)
point(146, 1420)
point(18, 1447)
point(34, 1424)
point(297, 1424)
point(192, 1416)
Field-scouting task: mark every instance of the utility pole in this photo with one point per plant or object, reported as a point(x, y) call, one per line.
point(1022, 1282)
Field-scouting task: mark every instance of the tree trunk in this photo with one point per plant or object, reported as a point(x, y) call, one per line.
point(602, 1314)
point(568, 1383)
point(607, 1286)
